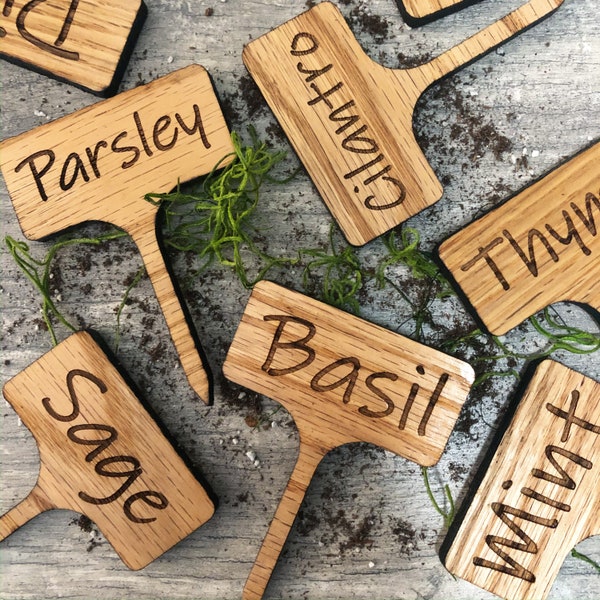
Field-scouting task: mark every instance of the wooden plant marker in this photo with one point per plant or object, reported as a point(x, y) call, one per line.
point(541, 493)
point(417, 12)
point(98, 163)
point(540, 247)
point(350, 119)
point(85, 42)
point(343, 380)
point(102, 455)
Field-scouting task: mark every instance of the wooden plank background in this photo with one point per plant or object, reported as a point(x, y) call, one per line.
point(367, 529)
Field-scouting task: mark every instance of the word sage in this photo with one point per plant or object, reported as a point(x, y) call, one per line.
point(102, 455)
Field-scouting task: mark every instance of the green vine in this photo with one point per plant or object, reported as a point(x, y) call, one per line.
point(586, 559)
point(135, 280)
point(342, 277)
point(213, 222)
point(39, 272)
point(447, 515)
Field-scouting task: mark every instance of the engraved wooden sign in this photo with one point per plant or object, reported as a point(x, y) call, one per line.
point(540, 247)
point(343, 380)
point(350, 119)
point(102, 455)
point(85, 42)
point(98, 163)
point(417, 12)
point(540, 495)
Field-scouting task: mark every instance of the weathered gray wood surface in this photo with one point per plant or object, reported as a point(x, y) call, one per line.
point(367, 528)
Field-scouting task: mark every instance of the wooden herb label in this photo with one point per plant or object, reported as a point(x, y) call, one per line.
point(417, 12)
point(350, 119)
point(540, 247)
point(98, 163)
point(343, 380)
point(85, 42)
point(540, 495)
point(102, 455)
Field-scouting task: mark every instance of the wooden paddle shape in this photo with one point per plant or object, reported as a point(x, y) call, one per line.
point(417, 12)
point(350, 119)
point(343, 380)
point(102, 455)
point(98, 163)
point(540, 495)
point(85, 42)
point(540, 247)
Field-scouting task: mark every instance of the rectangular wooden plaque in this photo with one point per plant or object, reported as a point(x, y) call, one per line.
point(85, 42)
point(102, 455)
point(350, 119)
point(97, 164)
point(540, 247)
point(540, 495)
point(343, 380)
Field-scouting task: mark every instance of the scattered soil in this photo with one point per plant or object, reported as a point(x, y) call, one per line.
point(407, 537)
point(409, 62)
point(252, 96)
point(84, 523)
point(372, 24)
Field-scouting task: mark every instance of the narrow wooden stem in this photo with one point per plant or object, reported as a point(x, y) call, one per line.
point(26, 510)
point(181, 330)
point(489, 38)
point(282, 522)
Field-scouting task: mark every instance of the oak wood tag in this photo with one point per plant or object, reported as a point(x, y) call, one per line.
point(102, 455)
point(85, 42)
point(540, 495)
point(98, 163)
point(350, 119)
point(540, 247)
point(343, 380)
point(417, 12)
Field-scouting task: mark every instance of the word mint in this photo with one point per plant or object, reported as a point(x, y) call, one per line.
point(540, 494)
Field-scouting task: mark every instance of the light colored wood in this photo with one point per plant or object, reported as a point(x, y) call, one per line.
point(419, 11)
point(98, 163)
point(540, 495)
point(86, 42)
point(102, 455)
point(540, 247)
point(343, 380)
point(381, 494)
point(351, 120)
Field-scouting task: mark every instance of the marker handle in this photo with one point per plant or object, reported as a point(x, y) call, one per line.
point(181, 331)
point(33, 505)
point(282, 522)
point(485, 40)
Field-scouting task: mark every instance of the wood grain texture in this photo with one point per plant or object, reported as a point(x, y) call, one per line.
point(417, 12)
point(343, 380)
point(98, 163)
point(358, 146)
point(85, 42)
point(541, 247)
point(540, 495)
point(366, 529)
point(102, 455)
